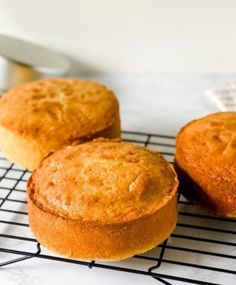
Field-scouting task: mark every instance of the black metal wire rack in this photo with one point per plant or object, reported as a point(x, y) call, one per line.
point(202, 249)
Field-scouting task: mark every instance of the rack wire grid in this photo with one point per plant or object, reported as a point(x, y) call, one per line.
point(202, 249)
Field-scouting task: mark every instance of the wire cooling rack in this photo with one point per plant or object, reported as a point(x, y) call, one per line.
point(202, 249)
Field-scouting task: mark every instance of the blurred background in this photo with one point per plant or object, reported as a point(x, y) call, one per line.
point(130, 36)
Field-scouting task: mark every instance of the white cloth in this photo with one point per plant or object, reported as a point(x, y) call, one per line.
point(225, 97)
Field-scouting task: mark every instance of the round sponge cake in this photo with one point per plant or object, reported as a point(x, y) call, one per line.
point(206, 162)
point(39, 117)
point(103, 199)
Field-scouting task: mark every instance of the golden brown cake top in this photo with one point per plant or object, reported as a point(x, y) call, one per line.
point(59, 109)
point(103, 181)
point(209, 145)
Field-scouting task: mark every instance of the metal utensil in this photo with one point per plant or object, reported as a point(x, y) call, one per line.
point(22, 61)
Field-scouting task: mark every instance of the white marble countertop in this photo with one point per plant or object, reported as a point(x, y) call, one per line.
point(155, 104)
point(162, 104)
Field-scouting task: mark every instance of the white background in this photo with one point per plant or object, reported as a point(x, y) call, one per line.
point(133, 36)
